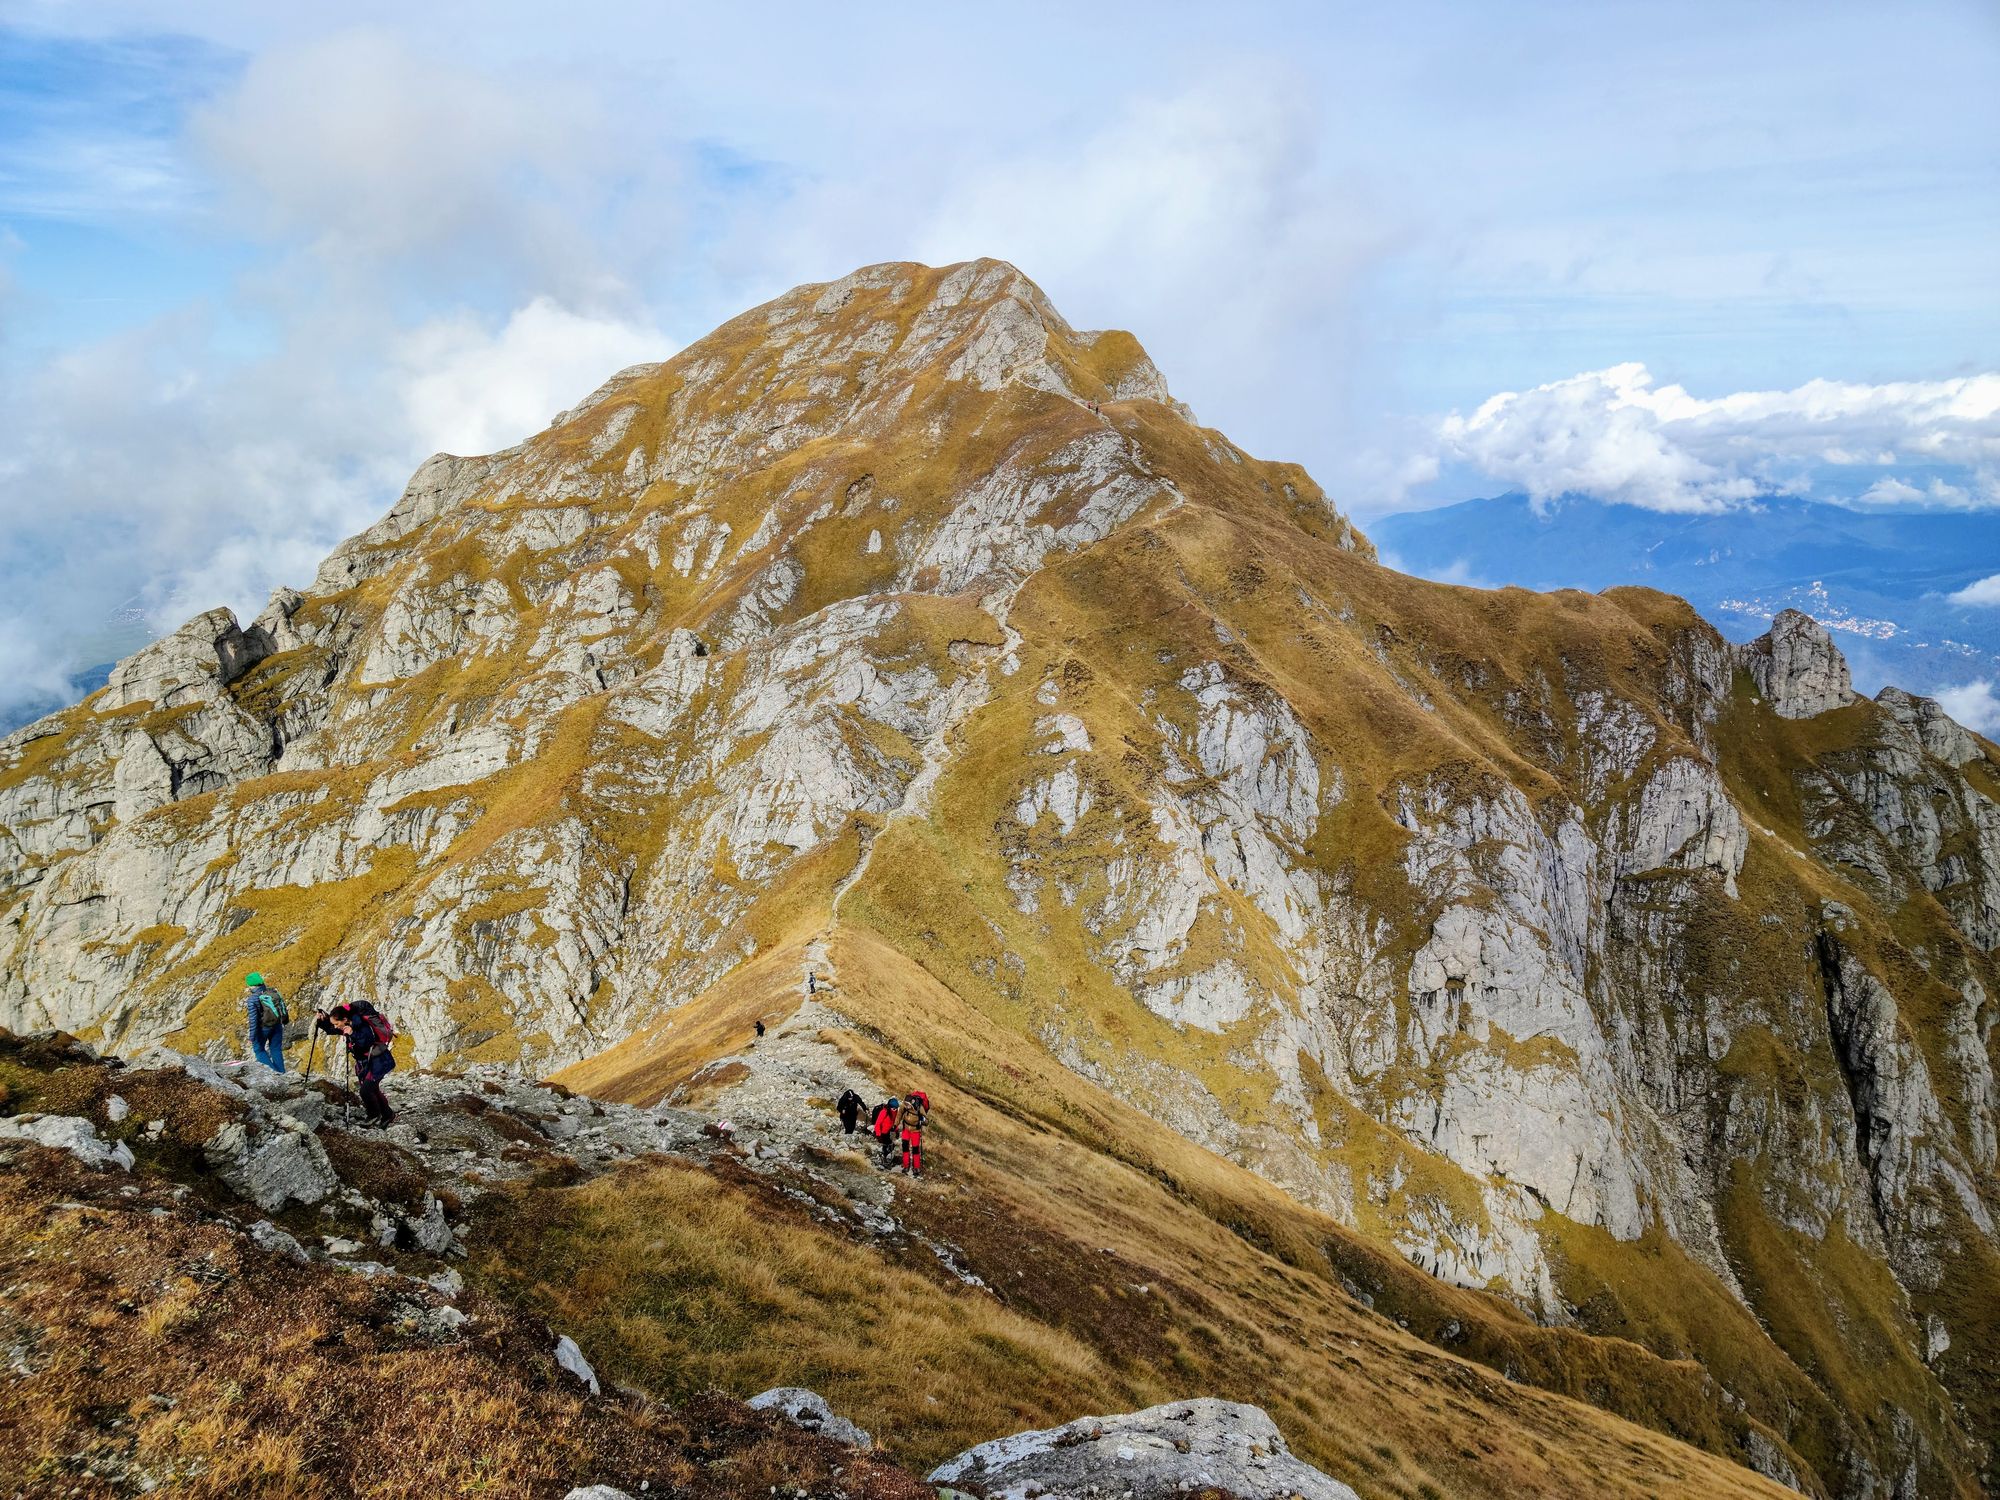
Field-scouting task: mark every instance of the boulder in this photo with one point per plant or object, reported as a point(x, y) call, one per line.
point(69, 1133)
point(596, 1492)
point(268, 1236)
point(1157, 1454)
point(271, 1161)
point(808, 1410)
point(571, 1359)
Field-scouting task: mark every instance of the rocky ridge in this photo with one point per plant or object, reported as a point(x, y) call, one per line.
point(457, 1138)
point(1551, 940)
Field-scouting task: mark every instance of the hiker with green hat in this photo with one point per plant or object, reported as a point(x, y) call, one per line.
point(268, 1017)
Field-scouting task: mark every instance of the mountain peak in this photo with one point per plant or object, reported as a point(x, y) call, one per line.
point(897, 634)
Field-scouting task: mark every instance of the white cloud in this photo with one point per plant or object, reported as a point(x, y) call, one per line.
point(1211, 221)
point(32, 680)
point(356, 145)
point(1975, 705)
point(447, 273)
point(1614, 435)
point(470, 391)
point(1985, 591)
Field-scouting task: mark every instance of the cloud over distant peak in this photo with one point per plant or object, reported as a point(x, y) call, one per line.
point(1985, 591)
point(1975, 705)
point(1615, 435)
point(470, 391)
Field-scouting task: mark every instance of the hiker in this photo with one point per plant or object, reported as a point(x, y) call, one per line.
point(368, 1034)
point(885, 1130)
point(910, 1126)
point(812, 984)
point(848, 1106)
point(268, 1017)
point(760, 1029)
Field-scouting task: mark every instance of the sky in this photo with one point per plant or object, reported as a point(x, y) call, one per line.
point(256, 262)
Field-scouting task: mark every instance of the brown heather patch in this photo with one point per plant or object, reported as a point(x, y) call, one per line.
point(165, 1350)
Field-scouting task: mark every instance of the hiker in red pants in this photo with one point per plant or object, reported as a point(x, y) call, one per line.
point(884, 1126)
point(910, 1125)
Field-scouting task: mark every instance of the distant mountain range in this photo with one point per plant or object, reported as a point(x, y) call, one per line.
point(1879, 579)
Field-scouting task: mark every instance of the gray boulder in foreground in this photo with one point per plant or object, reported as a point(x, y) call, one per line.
point(1157, 1454)
point(69, 1133)
point(808, 1410)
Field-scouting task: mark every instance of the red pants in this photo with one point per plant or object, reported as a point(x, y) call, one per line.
point(913, 1151)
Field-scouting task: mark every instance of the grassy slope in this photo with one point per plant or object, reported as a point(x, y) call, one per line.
point(1039, 1175)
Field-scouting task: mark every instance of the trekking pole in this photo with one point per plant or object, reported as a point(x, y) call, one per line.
point(311, 1047)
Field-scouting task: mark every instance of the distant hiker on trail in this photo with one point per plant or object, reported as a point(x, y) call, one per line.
point(849, 1107)
point(885, 1130)
point(268, 1017)
point(910, 1126)
point(368, 1034)
point(760, 1027)
point(812, 983)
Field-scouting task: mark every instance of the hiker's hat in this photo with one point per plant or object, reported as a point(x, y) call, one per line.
point(253, 979)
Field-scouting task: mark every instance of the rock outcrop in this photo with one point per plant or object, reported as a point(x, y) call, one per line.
point(1797, 667)
point(1160, 1453)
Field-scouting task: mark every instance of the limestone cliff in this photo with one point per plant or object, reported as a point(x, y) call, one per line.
point(1579, 956)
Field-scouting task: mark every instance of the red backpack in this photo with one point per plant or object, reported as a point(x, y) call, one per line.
point(379, 1024)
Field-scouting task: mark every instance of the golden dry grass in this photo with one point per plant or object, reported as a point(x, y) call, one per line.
point(161, 1351)
point(1067, 1202)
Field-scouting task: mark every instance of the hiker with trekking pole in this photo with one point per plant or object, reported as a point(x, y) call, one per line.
point(368, 1033)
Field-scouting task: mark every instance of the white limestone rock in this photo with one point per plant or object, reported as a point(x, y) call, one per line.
point(1797, 668)
point(189, 666)
point(271, 1161)
point(69, 1133)
point(268, 1236)
point(1160, 1453)
point(808, 1410)
point(570, 1357)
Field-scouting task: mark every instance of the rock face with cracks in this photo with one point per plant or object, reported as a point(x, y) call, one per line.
point(1551, 940)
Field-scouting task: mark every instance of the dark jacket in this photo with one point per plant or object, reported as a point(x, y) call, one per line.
point(848, 1105)
point(361, 1040)
point(261, 1025)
